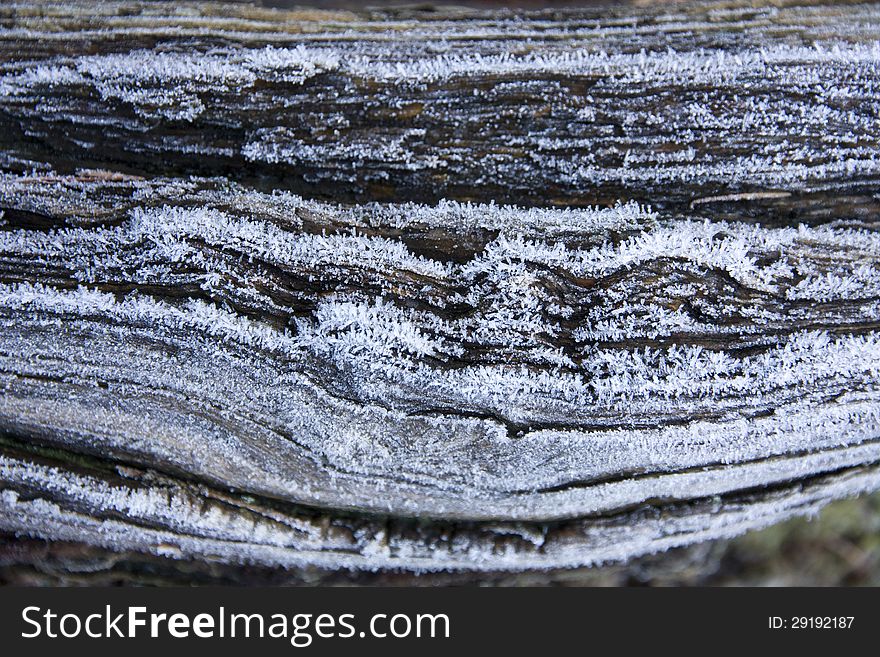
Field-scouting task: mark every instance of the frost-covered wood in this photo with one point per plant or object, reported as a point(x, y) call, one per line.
point(465, 291)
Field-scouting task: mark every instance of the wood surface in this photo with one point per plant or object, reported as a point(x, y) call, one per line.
point(410, 291)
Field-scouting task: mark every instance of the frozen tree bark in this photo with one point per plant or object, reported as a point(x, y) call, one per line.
point(458, 291)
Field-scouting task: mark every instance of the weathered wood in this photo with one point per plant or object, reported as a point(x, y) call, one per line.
point(621, 292)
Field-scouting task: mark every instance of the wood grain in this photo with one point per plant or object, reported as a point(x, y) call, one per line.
point(453, 291)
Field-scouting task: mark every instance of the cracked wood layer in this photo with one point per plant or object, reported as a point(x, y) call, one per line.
point(464, 291)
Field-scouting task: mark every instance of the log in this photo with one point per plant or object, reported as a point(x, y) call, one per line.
point(450, 291)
